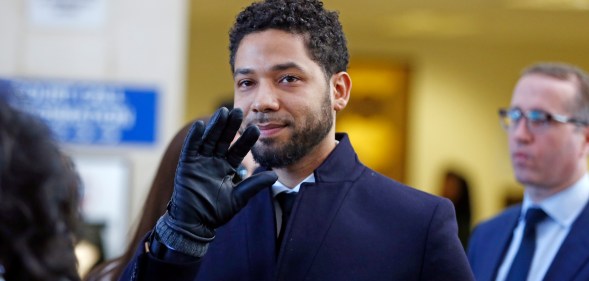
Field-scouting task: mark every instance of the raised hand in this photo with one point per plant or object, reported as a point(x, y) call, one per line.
point(205, 196)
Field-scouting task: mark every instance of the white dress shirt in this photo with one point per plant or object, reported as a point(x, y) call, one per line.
point(562, 210)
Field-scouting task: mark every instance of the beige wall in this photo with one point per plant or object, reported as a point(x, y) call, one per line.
point(209, 80)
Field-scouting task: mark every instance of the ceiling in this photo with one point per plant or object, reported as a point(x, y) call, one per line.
point(501, 23)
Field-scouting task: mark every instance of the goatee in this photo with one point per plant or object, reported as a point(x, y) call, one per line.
point(270, 153)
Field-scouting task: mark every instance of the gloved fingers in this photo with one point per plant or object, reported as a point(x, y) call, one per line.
point(192, 140)
point(242, 146)
point(228, 134)
point(252, 185)
point(213, 131)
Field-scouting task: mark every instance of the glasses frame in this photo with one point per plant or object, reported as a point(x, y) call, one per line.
point(506, 113)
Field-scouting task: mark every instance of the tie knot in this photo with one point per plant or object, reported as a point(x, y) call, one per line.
point(286, 201)
point(534, 216)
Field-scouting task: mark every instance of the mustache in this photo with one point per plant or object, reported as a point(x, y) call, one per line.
point(259, 118)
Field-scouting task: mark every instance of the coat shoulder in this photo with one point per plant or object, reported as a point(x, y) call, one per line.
point(390, 189)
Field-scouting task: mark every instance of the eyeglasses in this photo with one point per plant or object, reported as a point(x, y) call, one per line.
point(538, 120)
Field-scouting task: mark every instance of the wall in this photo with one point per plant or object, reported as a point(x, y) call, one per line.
point(209, 80)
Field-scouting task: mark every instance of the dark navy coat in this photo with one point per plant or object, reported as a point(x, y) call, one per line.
point(490, 241)
point(351, 224)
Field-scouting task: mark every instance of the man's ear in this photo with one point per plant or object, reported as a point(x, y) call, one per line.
point(342, 85)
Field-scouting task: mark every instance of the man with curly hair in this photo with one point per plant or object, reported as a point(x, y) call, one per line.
point(312, 211)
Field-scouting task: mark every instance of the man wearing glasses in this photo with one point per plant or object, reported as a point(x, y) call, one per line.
point(546, 237)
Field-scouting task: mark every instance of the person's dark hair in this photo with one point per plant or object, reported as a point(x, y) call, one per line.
point(38, 201)
point(462, 201)
point(320, 28)
point(154, 206)
point(567, 72)
point(456, 189)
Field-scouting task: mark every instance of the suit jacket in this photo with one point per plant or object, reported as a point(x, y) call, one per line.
point(490, 241)
point(351, 224)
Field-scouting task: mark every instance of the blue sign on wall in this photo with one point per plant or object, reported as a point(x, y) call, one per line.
point(89, 113)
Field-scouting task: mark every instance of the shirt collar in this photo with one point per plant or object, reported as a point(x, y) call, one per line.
point(564, 206)
point(278, 187)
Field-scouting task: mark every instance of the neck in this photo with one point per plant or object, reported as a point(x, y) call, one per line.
point(538, 194)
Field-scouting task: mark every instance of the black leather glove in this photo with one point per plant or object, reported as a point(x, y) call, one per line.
point(205, 196)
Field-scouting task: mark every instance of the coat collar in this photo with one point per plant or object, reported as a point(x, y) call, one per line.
point(337, 167)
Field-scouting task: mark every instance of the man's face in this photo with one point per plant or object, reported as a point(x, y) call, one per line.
point(283, 92)
point(551, 157)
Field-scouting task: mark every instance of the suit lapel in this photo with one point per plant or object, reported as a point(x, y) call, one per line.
point(490, 243)
point(496, 254)
point(574, 252)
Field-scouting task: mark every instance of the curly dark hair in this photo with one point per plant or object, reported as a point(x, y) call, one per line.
point(38, 201)
point(321, 29)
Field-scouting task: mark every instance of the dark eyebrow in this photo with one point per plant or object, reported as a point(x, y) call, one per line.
point(242, 71)
point(278, 67)
point(286, 66)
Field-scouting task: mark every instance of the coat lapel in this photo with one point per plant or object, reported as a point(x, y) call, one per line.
point(313, 213)
point(315, 210)
point(490, 243)
point(261, 236)
point(497, 252)
point(574, 252)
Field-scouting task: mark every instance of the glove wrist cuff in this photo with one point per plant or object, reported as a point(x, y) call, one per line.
point(177, 240)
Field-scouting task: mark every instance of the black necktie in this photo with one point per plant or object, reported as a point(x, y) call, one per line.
point(286, 201)
point(523, 259)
